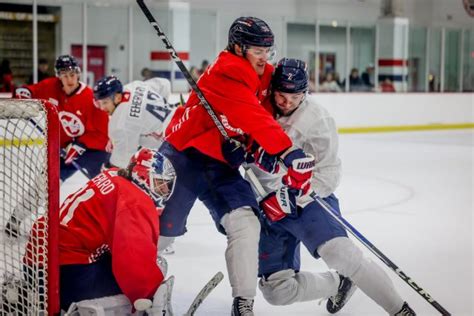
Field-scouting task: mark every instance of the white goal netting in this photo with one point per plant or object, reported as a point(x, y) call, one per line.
point(25, 202)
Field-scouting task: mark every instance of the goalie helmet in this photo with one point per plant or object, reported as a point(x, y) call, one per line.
point(290, 76)
point(250, 31)
point(154, 174)
point(66, 63)
point(107, 87)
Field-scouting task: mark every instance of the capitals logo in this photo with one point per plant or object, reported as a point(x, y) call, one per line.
point(72, 125)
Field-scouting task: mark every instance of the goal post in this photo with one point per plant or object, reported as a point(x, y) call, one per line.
point(29, 194)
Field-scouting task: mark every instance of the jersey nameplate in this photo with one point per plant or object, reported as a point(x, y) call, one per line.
point(135, 108)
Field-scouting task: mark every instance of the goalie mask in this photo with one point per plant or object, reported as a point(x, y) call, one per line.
point(154, 174)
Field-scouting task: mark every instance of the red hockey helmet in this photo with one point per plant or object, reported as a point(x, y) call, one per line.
point(154, 174)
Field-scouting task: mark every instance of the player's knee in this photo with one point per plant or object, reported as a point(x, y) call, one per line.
point(342, 255)
point(241, 222)
point(280, 288)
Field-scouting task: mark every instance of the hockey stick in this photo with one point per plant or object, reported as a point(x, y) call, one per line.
point(185, 72)
point(259, 189)
point(143, 304)
point(210, 285)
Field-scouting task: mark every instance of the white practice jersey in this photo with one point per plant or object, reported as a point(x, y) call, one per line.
point(140, 120)
point(312, 129)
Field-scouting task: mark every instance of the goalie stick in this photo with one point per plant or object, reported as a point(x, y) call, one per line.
point(210, 285)
point(144, 304)
point(255, 183)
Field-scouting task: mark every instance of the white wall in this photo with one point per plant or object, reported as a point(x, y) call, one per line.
point(398, 109)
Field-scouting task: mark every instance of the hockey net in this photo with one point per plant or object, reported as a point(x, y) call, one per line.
point(29, 191)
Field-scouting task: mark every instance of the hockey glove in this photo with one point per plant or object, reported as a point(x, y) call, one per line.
point(279, 204)
point(300, 170)
point(22, 93)
point(233, 152)
point(265, 161)
point(73, 151)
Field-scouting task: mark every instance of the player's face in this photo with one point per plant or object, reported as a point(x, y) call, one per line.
point(258, 57)
point(70, 80)
point(287, 102)
point(106, 105)
point(162, 187)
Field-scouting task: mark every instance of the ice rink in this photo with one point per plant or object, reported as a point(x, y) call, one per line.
point(410, 194)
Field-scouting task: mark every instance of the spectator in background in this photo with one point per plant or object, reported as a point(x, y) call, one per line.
point(147, 73)
point(355, 82)
point(368, 76)
point(204, 65)
point(6, 77)
point(330, 84)
point(195, 73)
point(387, 85)
point(43, 73)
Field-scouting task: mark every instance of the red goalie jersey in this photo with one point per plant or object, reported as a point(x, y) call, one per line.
point(109, 214)
point(81, 120)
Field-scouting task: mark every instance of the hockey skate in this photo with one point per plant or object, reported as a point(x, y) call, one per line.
point(406, 311)
point(344, 292)
point(242, 307)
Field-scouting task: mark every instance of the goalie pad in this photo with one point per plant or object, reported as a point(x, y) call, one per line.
point(104, 306)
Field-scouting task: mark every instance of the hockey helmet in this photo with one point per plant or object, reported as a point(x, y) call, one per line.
point(250, 31)
point(154, 174)
point(107, 87)
point(66, 63)
point(290, 76)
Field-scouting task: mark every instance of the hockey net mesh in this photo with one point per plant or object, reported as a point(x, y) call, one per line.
point(24, 192)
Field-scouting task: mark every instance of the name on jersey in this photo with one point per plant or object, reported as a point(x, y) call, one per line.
point(136, 108)
point(103, 183)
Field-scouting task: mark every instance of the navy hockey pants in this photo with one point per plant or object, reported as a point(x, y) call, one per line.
point(91, 161)
point(279, 247)
point(221, 188)
point(87, 281)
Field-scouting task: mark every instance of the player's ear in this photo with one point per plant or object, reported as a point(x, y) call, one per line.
point(238, 50)
point(117, 98)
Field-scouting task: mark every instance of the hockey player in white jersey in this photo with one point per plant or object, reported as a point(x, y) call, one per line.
point(312, 128)
point(139, 114)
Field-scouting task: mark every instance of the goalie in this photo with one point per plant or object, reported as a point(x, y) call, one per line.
point(108, 234)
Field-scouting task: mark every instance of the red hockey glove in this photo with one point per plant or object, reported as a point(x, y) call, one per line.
point(265, 161)
point(300, 170)
point(73, 151)
point(22, 93)
point(279, 204)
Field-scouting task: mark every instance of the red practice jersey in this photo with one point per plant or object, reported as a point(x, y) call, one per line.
point(81, 120)
point(234, 91)
point(110, 214)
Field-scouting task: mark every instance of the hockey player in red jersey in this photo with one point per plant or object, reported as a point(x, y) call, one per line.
point(109, 229)
point(207, 165)
point(84, 135)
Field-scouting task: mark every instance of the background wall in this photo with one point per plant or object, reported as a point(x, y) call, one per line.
point(398, 109)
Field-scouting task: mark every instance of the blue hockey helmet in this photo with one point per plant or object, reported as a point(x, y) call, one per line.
point(107, 87)
point(250, 31)
point(290, 76)
point(66, 63)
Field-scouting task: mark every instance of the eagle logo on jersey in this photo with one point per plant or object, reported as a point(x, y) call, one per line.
point(72, 124)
